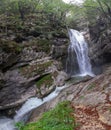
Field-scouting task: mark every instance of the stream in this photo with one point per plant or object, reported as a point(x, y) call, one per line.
point(24, 112)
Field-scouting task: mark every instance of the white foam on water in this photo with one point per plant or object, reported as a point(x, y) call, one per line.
point(32, 103)
point(7, 124)
point(24, 112)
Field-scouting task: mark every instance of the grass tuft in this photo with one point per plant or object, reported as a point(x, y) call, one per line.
point(59, 118)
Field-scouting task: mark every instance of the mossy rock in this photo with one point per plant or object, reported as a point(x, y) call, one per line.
point(62, 33)
point(35, 69)
point(46, 81)
point(10, 47)
point(45, 85)
point(43, 45)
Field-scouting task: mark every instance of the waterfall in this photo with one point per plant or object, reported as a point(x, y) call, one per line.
point(78, 47)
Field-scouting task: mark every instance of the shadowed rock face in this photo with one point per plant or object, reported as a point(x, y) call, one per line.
point(15, 91)
point(21, 74)
point(100, 45)
point(91, 101)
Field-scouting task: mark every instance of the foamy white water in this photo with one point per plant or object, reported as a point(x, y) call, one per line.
point(34, 103)
point(7, 124)
point(79, 46)
point(24, 112)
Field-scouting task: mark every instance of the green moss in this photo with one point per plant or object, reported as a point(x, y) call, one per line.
point(60, 33)
point(32, 70)
point(19, 125)
point(10, 47)
point(91, 86)
point(44, 45)
point(81, 97)
point(46, 80)
point(59, 118)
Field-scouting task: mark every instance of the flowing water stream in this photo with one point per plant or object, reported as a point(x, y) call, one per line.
point(25, 110)
point(7, 124)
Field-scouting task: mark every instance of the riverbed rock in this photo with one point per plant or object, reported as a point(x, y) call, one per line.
point(90, 100)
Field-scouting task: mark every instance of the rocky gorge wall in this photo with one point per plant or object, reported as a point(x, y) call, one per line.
point(100, 44)
point(30, 64)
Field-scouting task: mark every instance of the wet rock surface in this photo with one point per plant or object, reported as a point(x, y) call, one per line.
point(90, 100)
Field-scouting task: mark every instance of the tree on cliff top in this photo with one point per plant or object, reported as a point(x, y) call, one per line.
point(98, 8)
point(56, 11)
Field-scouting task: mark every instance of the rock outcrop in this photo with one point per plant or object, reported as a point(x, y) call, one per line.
point(29, 69)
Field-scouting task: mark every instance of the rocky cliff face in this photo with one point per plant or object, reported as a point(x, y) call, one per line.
point(30, 66)
point(100, 44)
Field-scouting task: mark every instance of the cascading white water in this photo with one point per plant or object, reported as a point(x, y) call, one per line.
point(79, 46)
point(7, 124)
point(32, 103)
point(25, 110)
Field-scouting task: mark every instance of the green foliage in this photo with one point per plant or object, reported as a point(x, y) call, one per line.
point(46, 80)
point(15, 6)
point(91, 86)
point(19, 125)
point(59, 118)
point(43, 45)
point(10, 47)
point(81, 97)
point(91, 10)
point(55, 11)
point(97, 8)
